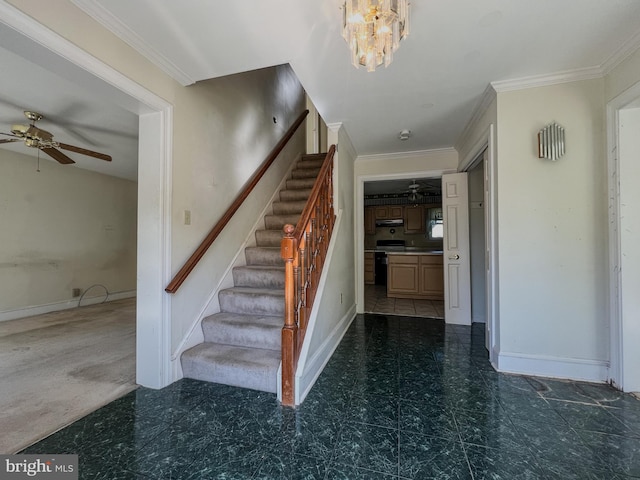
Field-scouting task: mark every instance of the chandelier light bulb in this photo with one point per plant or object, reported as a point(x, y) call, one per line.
point(373, 29)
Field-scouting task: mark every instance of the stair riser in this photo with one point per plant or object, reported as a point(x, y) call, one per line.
point(269, 238)
point(309, 164)
point(249, 336)
point(255, 303)
point(305, 173)
point(289, 208)
point(300, 183)
point(234, 372)
point(263, 256)
point(276, 222)
point(295, 195)
point(247, 277)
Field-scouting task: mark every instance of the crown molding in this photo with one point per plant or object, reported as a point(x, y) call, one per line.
point(334, 127)
point(556, 78)
point(376, 157)
point(627, 48)
point(488, 96)
point(122, 31)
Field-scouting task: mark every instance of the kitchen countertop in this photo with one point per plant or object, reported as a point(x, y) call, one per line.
point(416, 252)
point(405, 251)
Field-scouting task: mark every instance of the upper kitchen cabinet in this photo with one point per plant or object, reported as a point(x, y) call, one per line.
point(369, 220)
point(388, 212)
point(414, 221)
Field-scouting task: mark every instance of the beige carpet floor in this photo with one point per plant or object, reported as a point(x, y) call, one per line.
point(57, 367)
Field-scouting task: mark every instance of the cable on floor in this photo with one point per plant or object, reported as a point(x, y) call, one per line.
point(106, 291)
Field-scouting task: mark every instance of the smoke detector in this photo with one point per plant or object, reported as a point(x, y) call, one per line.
point(404, 135)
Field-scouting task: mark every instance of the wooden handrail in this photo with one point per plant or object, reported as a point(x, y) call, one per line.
point(193, 260)
point(303, 249)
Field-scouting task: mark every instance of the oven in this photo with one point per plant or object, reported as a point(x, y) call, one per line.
point(381, 261)
point(381, 268)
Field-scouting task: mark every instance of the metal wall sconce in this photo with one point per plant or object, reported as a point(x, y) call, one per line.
point(551, 142)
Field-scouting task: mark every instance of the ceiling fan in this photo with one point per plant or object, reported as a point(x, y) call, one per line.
point(35, 137)
point(416, 190)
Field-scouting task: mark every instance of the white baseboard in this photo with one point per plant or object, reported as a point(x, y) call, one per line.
point(553, 367)
point(314, 366)
point(63, 305)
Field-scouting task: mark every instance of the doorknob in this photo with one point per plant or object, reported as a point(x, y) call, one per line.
point(454, 257)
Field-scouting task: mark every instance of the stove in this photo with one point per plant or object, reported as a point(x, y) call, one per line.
point(381, 258)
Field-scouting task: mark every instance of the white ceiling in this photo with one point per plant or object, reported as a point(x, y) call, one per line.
point(456, 48)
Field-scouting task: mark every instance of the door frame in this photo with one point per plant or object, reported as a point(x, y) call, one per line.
point(487, 141)
point(153, 318)
point(630, 98)
point(359, 219)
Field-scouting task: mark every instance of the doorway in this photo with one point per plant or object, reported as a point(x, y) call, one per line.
point(154, 181)
point(623, 119)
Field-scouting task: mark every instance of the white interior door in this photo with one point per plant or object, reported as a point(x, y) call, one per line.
point(456, 251)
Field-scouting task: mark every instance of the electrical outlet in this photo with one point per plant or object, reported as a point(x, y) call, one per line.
point(341, 299)
point(187, 217)
point(76, 292)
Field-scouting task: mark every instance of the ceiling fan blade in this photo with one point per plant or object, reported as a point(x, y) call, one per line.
point(9, 140)
point(84, 151)
point(57, 155)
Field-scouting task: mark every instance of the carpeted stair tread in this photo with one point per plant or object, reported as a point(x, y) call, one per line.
point(289, 207)
point(314, 164)
point(305, 173)
point(276, 222)
point(251, 331)
point(263, 256)
point(300, 183)
point(295, 194)
point(269, 238)
point(259, 276)
point(253, 368)
point(259, 301)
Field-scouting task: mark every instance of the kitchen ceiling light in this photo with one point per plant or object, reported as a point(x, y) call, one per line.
point(373, 29)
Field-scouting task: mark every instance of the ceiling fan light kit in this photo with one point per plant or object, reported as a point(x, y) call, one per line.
point(35, 137)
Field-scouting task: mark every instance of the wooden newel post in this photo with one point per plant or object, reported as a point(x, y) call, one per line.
point(290, 330)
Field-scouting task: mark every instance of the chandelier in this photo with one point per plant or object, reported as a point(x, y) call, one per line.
point(373, 29)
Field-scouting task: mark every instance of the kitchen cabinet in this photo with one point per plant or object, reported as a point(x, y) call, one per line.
point(414, 221)
point(369, 221)
point(431, 282)
point(369, 268)
point(388, 212)
point(415, 276)
point(402, 276)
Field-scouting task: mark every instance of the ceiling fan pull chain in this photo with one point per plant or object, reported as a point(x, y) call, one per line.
point(38, 164)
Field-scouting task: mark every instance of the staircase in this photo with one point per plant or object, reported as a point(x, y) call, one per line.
point(242, 343)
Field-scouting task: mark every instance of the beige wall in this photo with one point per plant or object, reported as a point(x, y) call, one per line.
point(335, 303)
point(552, 222)
point(407, 164)
point(62, 228)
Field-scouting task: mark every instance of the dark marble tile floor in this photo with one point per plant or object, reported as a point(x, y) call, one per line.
point(401, 398)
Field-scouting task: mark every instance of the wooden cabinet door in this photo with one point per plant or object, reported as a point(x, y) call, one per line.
point(369, 221)
point(369, 268)
point(414, 221)
point(403, 274)
point(395, 211)
point(382, 212)
point(432, 281)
